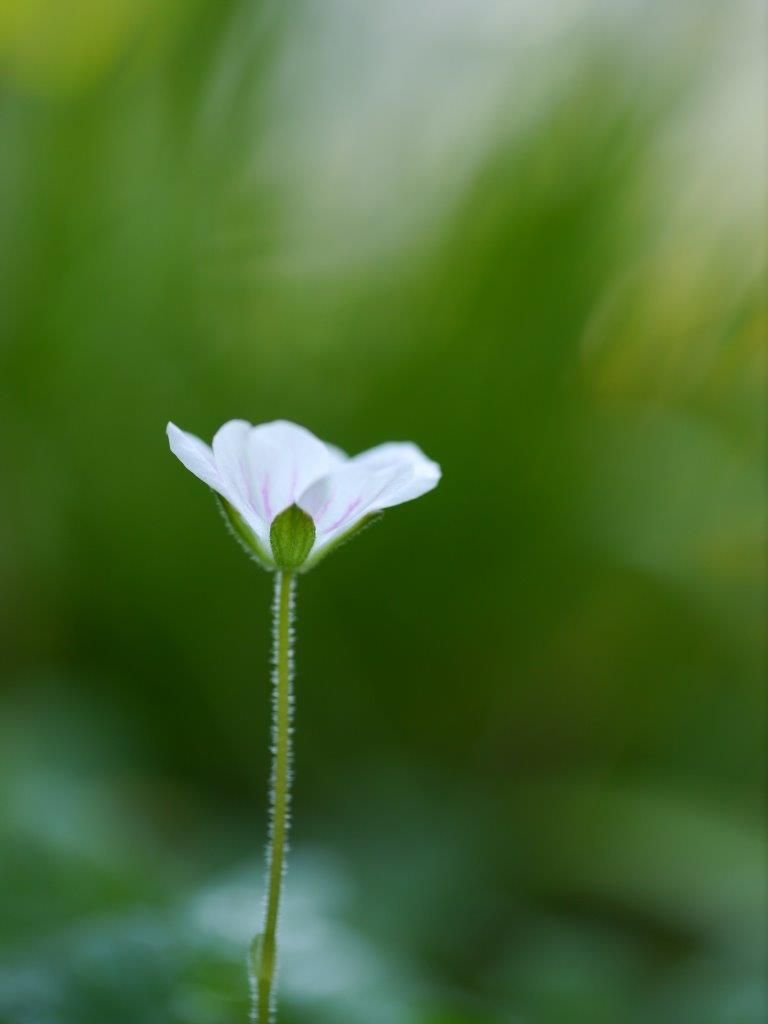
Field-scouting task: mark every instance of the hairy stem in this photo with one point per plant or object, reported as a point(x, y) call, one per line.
point(265, 952)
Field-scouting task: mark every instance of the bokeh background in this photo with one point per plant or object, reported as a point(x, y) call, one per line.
point(531, 722)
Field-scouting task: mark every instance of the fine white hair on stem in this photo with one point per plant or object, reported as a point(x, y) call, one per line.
point(263, 959)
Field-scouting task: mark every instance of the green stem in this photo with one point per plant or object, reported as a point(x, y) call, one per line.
point(265, 953)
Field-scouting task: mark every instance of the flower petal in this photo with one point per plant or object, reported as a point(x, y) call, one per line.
point(338, 455)
point(383, 456)
point(340, 498)
point(379, 478)
point(283, 460)
point(424, 474)
point(195, 455)
point(230, 452)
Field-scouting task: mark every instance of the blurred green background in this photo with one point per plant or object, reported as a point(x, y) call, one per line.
point(531, 721)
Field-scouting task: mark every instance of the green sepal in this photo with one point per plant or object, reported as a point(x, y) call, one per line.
point(243, 534)
point(353, 531)
point(291, 536)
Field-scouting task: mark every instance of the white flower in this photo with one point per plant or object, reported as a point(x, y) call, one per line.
point(262, 472)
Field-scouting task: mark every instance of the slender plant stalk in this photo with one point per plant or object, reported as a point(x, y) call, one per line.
point(265, 949)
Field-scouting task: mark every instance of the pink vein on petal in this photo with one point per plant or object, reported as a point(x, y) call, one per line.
point(248, 485)
point(265, 498)
point(344, 516)
point(323, 508)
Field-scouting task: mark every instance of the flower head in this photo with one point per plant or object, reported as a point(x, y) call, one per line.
point(290, 497)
